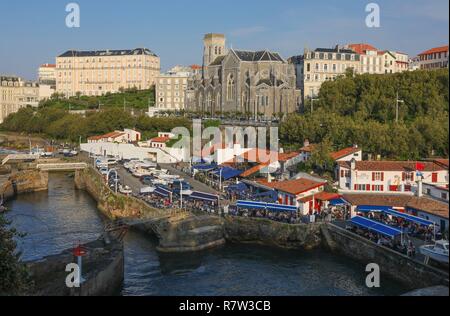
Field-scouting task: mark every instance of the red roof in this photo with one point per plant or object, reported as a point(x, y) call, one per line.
point(196, 67)
point(362, 48)
point(344, 152)
point(294, 187)
point(257, 155)
point(287, 156)
point(441, 49)
point(48, 66)
point(160, 139)
point(403, 166)
point(252, 171)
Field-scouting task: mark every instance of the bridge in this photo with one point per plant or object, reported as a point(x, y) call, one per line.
point(19, 157)
point(70, 166)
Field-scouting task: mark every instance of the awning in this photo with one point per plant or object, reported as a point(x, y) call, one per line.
point(373, 208)
point(227, 173)
point(410, 218)
point(338, 202)
point(240, 187)
point(204, 167)
point(204, 196)
point(162, 192)
point(376, 226)
point(266, 206)
point(147, 190)
point(273, 195)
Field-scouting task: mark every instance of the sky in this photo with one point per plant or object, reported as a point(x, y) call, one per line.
point(35, 32)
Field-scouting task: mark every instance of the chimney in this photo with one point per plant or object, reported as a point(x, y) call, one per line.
point(353, 164)
point(419, 192)
point(306, 143)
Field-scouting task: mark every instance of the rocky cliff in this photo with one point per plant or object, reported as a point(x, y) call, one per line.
point(266, 232)
point(24, 182)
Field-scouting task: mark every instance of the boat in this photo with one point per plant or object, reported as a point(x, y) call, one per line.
point(125, 190)
point(437, 252)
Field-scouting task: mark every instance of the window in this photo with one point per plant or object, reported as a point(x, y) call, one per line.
point(444, 196)
point(230, 88)
point(408, 176)
point(377, 176)
point(377, 188)
point(362, 187)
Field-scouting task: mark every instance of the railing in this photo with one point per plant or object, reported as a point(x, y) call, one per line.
point(19, 157)
point(62, 166)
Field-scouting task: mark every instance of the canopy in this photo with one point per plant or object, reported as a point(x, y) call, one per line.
point(238, 187)
point(162, 191)
point(266, 206)
point(373, 208)
point(376, 226)
point(338, 202)
point(204, 196)
point(205, 167)
point(411, 218)
point(227, 173)
point(272, 195)
point(145, 190)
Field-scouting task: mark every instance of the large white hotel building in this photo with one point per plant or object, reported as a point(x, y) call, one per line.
point(98, 72)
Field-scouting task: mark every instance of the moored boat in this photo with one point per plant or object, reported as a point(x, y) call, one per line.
point(437, 252)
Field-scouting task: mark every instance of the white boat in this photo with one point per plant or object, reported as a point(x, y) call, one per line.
point(437, 252)
point(125, 189)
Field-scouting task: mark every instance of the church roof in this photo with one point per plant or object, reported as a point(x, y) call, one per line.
point(253, 56)
point(217, 61)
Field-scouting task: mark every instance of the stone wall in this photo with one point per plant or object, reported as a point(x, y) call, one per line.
point(266, 232)
point(102, 268)
point(176, 230)
point(24, 182)
point(114, 206)
point(411, 273)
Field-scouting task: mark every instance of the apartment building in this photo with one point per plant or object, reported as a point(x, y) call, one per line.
point(98, 72)
point(47, 74)
point(15, 93)
point(389, 176)
point(315, 67)
point(171, 88)
point(434, 58)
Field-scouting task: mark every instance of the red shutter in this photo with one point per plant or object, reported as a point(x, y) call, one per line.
point(368, 187)
point(356, 187)
point(382, 188)
point(434, 177)
point(382, 176)
point(373, 176)
point(373, 187)
point(412, 176)
point(403, 176)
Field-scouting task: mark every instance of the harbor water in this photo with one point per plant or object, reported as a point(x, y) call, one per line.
point(61, 217)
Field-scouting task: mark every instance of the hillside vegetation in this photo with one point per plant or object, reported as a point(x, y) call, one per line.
point(361, 110)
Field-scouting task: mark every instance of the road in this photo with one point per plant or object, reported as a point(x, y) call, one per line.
point(196, 185)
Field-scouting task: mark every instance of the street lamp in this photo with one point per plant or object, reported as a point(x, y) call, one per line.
point(397, 108)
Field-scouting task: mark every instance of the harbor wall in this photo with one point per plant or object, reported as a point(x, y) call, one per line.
point(399, 267)
point(102, 268)
point(177, 230)
point(24, 182)
point(270, 233)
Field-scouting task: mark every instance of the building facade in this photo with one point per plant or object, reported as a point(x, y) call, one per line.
point(258, 83)
point(388, 176)
point(171, 88)
point(15, 94)
point(315, 67)
point(434, 58)
point(98, 72)
point(47, 74)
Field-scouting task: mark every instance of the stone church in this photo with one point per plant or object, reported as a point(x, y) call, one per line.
point(260, 83)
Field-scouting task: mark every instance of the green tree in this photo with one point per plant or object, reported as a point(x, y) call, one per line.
point(14, 277)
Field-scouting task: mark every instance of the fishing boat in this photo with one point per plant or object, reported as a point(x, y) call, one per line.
point(437, 252)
